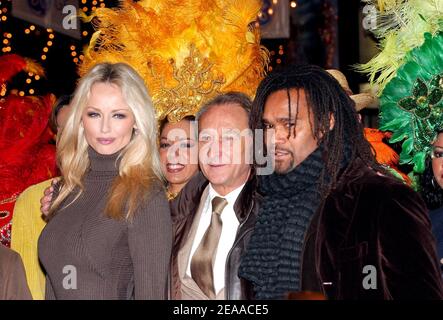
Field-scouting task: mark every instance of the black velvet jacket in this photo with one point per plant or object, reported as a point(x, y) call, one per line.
point(376, 222)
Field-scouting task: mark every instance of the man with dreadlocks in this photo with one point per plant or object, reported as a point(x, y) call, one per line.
point(332, 221)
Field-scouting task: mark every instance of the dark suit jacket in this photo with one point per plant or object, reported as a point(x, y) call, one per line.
point(13, 285)
point(183, 210)
point(372, 223)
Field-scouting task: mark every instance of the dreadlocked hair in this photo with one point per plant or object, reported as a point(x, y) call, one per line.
point(325, 98)
point(430, 191)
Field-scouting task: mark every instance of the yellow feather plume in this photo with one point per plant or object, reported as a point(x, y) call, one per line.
point(187, 51)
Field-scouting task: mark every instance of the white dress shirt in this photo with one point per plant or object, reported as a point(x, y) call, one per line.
point(227, 237)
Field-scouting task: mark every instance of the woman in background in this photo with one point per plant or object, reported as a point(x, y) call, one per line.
point(109, 231)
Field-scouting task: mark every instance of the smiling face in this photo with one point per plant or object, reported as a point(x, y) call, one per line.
point(107, 119)
point(437, 159)
point(224, 143)
point(290, 149)
point(178, 153)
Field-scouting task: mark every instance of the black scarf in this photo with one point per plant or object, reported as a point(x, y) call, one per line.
point(272, 261)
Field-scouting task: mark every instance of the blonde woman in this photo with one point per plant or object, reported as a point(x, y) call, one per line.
point(109, 231)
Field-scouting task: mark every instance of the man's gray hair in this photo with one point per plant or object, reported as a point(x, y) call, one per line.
point(232, 97)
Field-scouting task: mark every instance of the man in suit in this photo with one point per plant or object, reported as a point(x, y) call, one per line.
point(13, 285)
point(215, 213)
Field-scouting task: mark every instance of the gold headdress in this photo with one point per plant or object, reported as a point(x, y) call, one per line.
point(187, 51)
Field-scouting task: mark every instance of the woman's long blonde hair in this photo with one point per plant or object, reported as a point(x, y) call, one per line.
point(140, 162)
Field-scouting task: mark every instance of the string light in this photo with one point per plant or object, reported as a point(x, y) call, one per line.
point(293, 4)
point(49, 43)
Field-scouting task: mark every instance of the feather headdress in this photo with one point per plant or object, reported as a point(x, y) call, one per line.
point(187, 51)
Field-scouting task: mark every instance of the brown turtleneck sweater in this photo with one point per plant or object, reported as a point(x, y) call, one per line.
point(87, 255)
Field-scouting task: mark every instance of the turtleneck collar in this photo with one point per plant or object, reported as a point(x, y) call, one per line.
point(103, 163)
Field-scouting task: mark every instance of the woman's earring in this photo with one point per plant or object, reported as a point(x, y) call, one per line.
point(433, 182)
point(135, 131)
